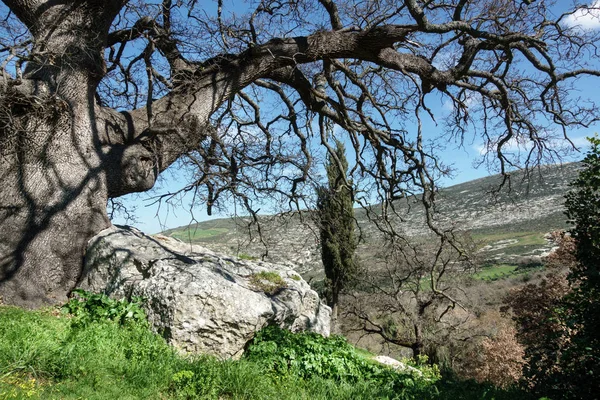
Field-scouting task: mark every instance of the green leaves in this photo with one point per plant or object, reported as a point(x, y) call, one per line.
point(86, 307)
point(309, 356)
point(336, 214)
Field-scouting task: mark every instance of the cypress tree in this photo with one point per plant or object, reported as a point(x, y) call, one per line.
point(337, 222)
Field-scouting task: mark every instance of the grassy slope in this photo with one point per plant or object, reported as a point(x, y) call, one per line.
point(44, 356)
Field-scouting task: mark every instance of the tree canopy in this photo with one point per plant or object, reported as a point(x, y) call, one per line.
point(97, 98)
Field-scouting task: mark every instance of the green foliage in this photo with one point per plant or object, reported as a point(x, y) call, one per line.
point(337, 222)
point(101, 359)
point(44, 356)
point(559, 321)
point(243, 256)
point(581, 361)
point(267, 281)
point(201, 381)
point(86, 307)
point(310, 355)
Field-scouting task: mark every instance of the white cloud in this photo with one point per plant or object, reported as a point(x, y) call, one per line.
point(523, 144)
point(513, 145)
point(585, 18)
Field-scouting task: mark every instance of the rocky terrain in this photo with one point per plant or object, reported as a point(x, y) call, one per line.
point(200, 301)
point(509, 223)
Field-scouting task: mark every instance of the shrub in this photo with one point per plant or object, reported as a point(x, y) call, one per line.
point(498, 358)
point(248, 257)
point(309, 356)
point(201, 379)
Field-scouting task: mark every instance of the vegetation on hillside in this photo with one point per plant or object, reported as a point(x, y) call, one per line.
point(558, 320)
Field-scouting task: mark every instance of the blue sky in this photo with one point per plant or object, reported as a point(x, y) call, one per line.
point(152, 219)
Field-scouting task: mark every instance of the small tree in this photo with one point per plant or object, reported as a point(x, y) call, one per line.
point(538, 312)
point(493, 353)
point(337, 223)
point(410, 297)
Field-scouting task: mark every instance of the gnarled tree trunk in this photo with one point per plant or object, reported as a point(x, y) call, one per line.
point(52, 170)
point(62, 155)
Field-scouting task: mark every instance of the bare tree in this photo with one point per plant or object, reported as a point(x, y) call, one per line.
point(412, 297)
point(97, 98)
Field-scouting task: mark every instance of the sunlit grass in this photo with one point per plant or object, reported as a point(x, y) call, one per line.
point(521, 238)
point(495, 272)
point(44, 355)
point(194, 234)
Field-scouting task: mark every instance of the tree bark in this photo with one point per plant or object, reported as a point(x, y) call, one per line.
point(52, 169)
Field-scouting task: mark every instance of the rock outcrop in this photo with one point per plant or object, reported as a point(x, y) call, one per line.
point(200, 301)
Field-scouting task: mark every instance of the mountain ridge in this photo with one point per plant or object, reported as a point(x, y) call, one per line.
point(511, 221)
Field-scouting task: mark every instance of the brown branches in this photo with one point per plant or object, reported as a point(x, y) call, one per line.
point(503, 67)
point(408, 299)
point(334, 16)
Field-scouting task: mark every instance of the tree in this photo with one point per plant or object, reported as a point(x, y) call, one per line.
point(538, 312)
point(581, 360)
point(412, 298)
point(559, 319)
point(336, 226)
point(97, 98)
point(494, 355)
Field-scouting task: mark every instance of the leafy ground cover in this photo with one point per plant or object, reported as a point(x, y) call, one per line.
point(97, 348)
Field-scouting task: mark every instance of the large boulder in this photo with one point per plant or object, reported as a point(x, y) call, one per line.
point(200, 301)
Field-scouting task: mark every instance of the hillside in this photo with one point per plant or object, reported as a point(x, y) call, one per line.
point(508, 224)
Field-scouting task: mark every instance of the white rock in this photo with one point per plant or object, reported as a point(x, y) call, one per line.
point(200, 301)
point(397, 365)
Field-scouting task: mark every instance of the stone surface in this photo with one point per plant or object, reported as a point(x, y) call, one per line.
point(200, 301)
point(397, 365)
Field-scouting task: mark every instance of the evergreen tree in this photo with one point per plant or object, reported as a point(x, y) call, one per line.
point(337, 222)
point(581, 361)
point(558, 319)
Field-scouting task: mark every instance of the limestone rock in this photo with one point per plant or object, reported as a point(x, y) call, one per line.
point(200, 301)
point(397, 365)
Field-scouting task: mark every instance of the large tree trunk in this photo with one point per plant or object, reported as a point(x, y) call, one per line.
point(52, 174)
point(62, 155)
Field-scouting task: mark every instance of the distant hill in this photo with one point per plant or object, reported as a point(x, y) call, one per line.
point(510, 223)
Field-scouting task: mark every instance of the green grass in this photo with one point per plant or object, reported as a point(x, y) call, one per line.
point(495, 272)
point(196, 234)
point(48, 355)
point(269, 282)
point(522, 238)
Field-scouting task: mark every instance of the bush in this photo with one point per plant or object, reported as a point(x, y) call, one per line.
point(309, 355)
point(268, 281)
